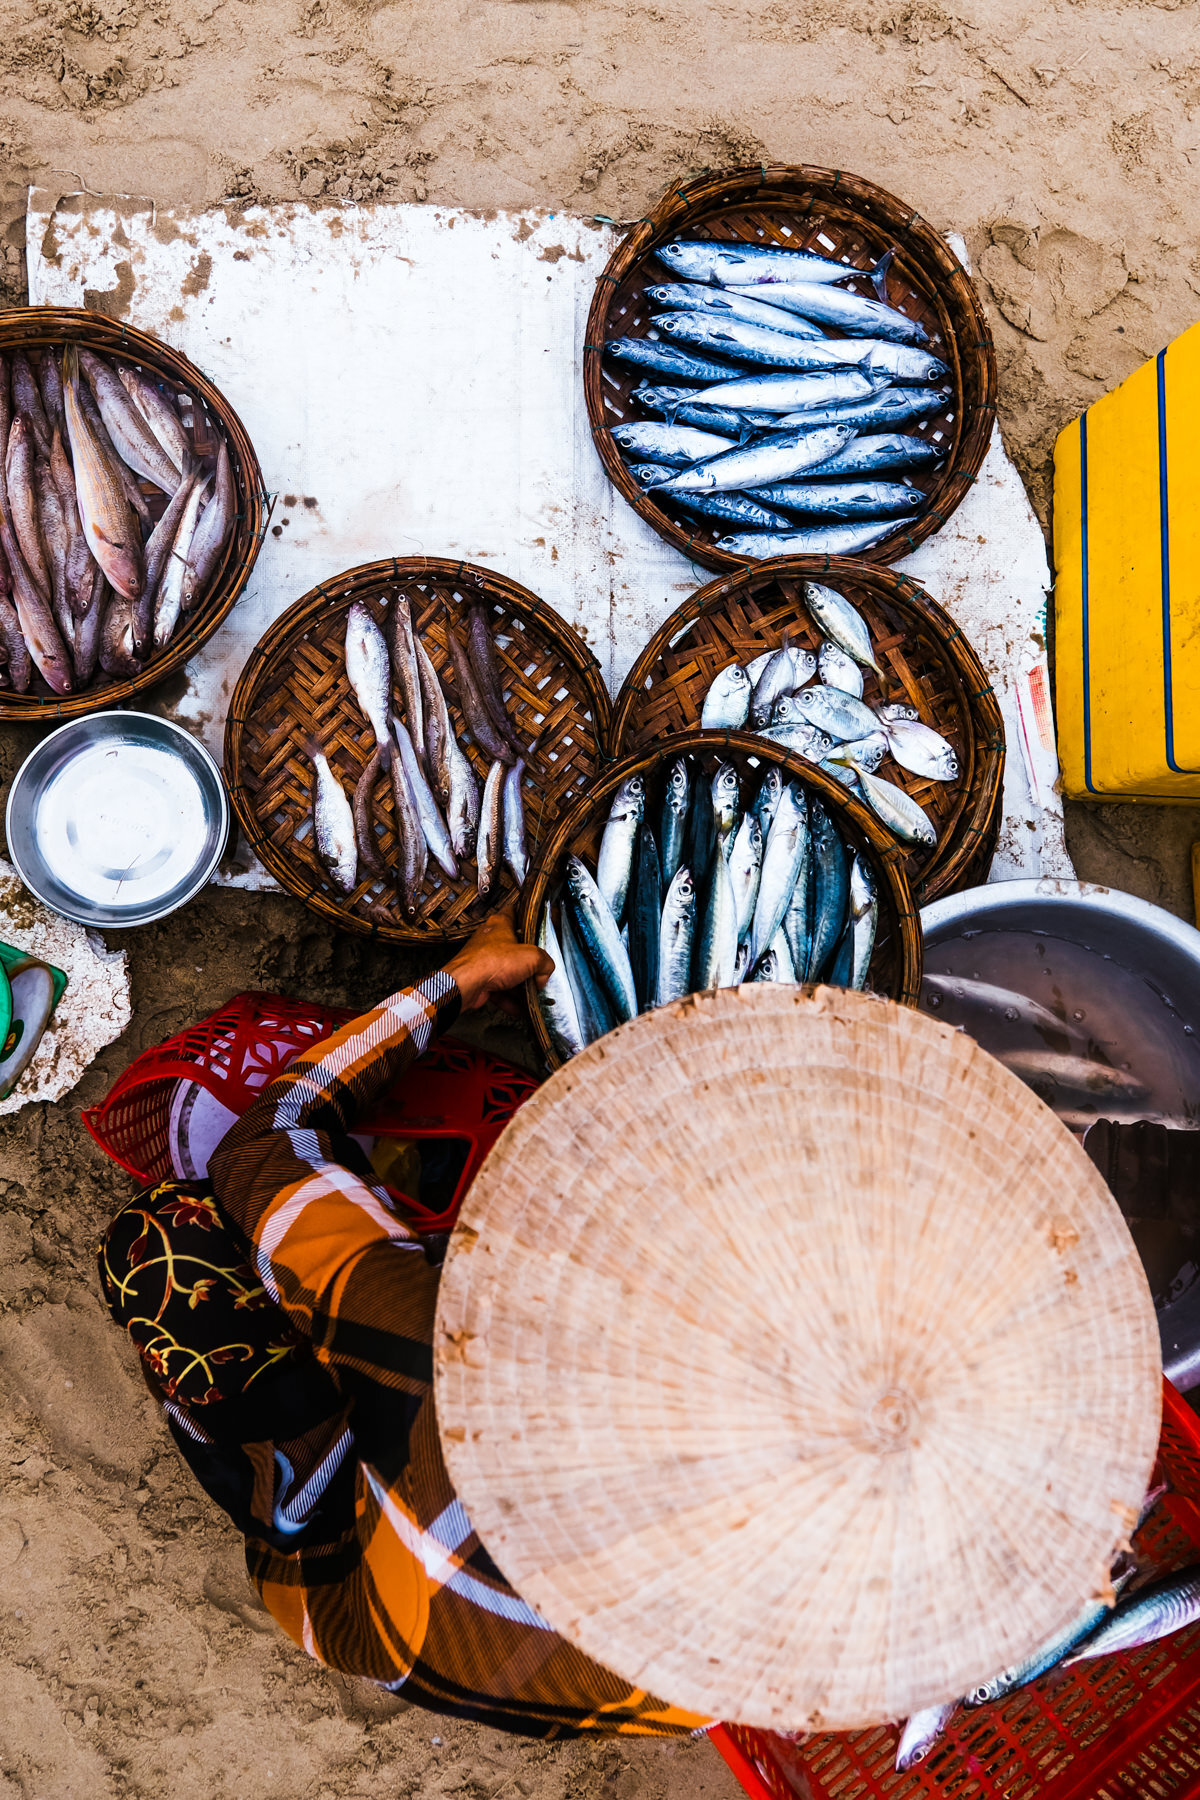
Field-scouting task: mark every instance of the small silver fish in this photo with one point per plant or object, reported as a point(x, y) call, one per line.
point(804, 739)
point(727, 702)
point(766, 801)
point(817, 540)
point(726, 798)
point(869, 455)
point(333, 825)
point(463, 806)
point(841, 622)
point(368, 669)
point(758, 344)
point(695, 296)
point(864, 753)
point(718, 946)
point(776, 679)
point(515, 852)
point(614, 865)
point(844, 499)
point(745, 869)
point(776, 963)
point(839, 670)
point(599, 934)
point(864, 919)
point(556, 999)
point(845, 311)
point(490, 838)
point(887, 406)
point(433, 826)
point(921, 750)
point(710, 259)
point(671, 444)
point(792, 395)
point(831, 710)
point(774, 458)
point(896, 710)
point(921, 1733)
point(673, 818)
point(675, 938)
point(782, 856)
point(898, 810)
point(1060, 1078)
point(1153, 1613)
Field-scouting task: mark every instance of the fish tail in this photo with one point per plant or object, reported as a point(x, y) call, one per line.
point(879, 274)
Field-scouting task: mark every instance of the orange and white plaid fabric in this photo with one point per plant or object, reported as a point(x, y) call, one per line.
point(355, 1538)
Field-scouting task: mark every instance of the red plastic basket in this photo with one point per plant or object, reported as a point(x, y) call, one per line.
point(1119, 1726)
point(453, 1091)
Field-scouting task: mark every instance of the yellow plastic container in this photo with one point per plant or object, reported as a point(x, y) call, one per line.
point(1127, 593)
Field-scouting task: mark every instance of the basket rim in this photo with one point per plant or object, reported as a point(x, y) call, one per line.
point(342, 590)
point(41, 327)
point(706, 195)
point(983, 792)
point(887, 855)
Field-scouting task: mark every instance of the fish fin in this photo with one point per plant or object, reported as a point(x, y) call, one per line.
point(879, 274)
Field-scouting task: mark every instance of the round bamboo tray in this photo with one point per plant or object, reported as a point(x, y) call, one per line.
point(927, 664)
point(896, 964)
point(835, 215)
point(294, 690)
point(34, 328)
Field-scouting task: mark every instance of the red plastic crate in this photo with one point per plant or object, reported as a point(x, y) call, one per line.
point(1120, 1726)
point(453, 1091)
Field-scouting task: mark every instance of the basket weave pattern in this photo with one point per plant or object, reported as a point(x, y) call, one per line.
point(294, 691)
point(50, 327)
point(837, 216)
point(896, 964)
point(927, 663)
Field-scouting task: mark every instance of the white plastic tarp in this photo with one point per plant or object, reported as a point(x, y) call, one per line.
point(410, 377)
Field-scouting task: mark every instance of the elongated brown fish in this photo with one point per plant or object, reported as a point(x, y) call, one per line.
point(22, 501)
point(27, 399)
point(157, 554)
point(89, 627)
point(132, 437)
point(34, 612)
point(117, 463)
point(107, 517)
point(364, 809)
point(215, 523)
point(56, 538)
point(157, 411)
point(482, 652)
point(18, 664)
point(172, 588)
point(405, 670)
point(118, 652)
point(471, 702)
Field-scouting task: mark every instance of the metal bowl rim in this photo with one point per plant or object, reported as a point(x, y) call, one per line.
point(84, 725)
point(996, 897)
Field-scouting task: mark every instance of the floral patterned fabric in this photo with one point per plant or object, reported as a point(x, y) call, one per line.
point(167, 1256)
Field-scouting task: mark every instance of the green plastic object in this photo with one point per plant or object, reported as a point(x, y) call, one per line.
point(30, 989)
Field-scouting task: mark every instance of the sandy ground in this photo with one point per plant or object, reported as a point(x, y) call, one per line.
point(1062, 139)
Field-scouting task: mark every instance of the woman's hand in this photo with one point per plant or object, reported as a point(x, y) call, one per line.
point(492, 962)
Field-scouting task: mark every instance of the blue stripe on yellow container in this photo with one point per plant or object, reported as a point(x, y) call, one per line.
point(1127, 591)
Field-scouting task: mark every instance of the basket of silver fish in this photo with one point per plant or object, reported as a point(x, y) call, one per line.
point(131, 511)
point(788, 361)
point(712, 859)
point(403, 735)
point(853, 667)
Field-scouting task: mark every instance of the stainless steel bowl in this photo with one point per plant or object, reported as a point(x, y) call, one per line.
point(117, 819)
point(1164, 954)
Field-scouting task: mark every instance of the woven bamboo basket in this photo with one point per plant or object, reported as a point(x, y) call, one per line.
point(294, 690)
point(35, 328)
point(927, 663)
point(896, 964)
point(835, 215)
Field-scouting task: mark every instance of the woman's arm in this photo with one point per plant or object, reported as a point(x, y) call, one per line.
point(327, 1245)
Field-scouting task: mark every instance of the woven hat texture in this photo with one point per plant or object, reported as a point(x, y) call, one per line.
point(794, 1361)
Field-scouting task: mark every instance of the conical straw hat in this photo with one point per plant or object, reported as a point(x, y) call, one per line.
point(794, 1361)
